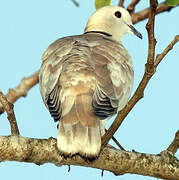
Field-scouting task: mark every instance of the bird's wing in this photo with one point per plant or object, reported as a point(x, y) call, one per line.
point(52, 61)
point(114, 76)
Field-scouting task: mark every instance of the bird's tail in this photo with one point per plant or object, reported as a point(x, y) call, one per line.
point(79, 130)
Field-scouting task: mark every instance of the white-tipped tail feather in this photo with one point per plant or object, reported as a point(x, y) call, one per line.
point(79, 130)
point(78, 139)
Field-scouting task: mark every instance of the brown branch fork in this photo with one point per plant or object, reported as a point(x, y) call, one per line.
point(9, 107)
point(150, 68)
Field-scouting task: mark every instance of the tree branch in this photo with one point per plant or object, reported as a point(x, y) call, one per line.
point(22, 89)
point(149, 71)
point(40, 151)
point(175, 144)
point(131, 6)
point(9, 107)
point(121, 3)
point(75, 3)
point(151, 38)
point(142, 15)
point(166, 50)
point(117, 143)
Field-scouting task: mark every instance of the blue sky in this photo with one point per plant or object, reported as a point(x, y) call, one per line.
point(28, 27)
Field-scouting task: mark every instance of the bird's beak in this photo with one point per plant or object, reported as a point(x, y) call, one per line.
point(137, 33)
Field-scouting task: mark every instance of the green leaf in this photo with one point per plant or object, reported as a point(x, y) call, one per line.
point(172, 2)
point(101, 3)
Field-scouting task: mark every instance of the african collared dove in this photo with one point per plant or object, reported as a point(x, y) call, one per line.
point(86, 79)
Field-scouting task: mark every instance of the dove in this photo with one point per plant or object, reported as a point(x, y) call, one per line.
point(86, 79)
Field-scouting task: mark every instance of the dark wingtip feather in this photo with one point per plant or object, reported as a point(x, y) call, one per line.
point(102, 106)
point(53, 103)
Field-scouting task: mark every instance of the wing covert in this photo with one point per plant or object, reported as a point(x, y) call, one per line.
point(114, 76)
point(52, 63)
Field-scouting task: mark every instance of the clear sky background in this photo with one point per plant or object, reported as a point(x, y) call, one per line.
point(28, 27)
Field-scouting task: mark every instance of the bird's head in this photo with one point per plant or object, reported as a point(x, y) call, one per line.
point(113, 20)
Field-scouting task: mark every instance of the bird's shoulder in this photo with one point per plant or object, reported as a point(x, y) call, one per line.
point(93, 42)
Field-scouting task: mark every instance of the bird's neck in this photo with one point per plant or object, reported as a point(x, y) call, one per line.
point(105, 30)
point(99, 32)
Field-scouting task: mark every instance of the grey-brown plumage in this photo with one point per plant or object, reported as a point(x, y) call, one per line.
point(84, 80)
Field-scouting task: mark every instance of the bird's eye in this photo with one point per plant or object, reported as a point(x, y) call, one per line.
point(118, 14)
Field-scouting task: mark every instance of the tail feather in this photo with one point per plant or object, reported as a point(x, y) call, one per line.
point(81, 133)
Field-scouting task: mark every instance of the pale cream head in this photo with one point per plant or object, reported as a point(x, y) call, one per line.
point(113, 20)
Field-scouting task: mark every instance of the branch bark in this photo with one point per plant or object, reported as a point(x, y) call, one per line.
point(121, 3)
point(21, 90)
point(131, 6)
point(166, 50)
point(9, 107)
point(175, 144)
point(144, 14)
point(40, 151)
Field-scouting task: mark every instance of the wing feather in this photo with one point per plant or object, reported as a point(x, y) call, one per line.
point(54, 104)
point(52, 63)
point(111, 62)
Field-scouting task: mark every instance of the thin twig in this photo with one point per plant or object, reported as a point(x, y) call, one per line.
point(117, 143)
point(121, 3)
point(166, 50)
point(75, 3)
point(10, 112)
point(22, 89)
point(175, 144)
point(131, 6)
point(142, 15)
point(149, 71)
